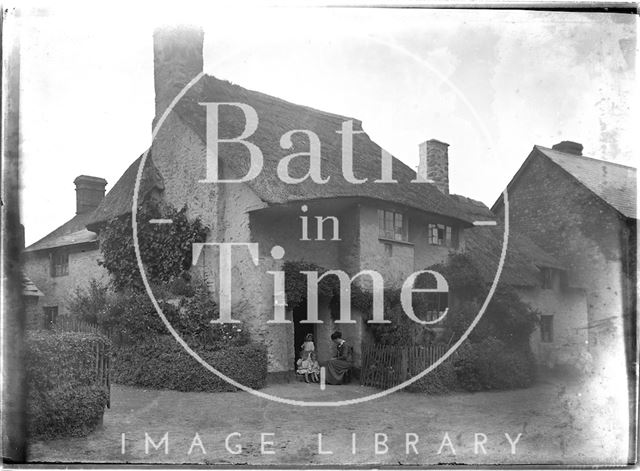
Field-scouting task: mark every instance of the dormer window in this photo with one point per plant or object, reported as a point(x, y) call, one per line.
point(440, 234)
point(392, 226)
point(59, 263)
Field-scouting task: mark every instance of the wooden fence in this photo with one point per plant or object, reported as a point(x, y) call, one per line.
point(68, 324)
point(385, 366)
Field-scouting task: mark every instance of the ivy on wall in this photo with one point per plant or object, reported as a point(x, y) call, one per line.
point(165, 249)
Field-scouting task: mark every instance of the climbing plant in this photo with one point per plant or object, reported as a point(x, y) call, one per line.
point(165, 249)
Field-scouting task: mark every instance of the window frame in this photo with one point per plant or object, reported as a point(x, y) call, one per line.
point(59, 263)
point(434, 232)
point(546, 328)
point(399, 225)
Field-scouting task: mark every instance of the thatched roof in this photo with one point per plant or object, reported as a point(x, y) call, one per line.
point(484, 246)
point(276, 117)
point(119, 199)
point(72, 232)
point(473, 210)
point(523, 261)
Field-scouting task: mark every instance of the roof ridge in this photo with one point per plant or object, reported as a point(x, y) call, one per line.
point(282, 100)
point(586, 157)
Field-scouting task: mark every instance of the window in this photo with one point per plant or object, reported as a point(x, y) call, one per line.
point(59, 264)
point(440, 234)
point(392, 226)
point(547, 278)
point(546, 328)
point(50, 316)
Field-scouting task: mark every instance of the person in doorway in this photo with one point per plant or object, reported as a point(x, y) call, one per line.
point(308, 364)
point(338, 368)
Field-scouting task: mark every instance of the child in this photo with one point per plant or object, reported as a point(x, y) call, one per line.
point(307, 364)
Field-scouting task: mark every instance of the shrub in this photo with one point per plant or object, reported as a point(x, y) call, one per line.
point(66, 411)
point(441, 380)
point(162, 363)
point(85, 303)
point(63, 397)
point(55, 358)
point(507, 317)
point(491, 364)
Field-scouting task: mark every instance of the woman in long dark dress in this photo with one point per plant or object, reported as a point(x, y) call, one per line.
point(339, 366)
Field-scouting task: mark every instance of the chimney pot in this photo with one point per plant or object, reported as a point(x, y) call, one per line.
point(89, 193)
point(434, 164)
point(569, 147)
point(177, 59)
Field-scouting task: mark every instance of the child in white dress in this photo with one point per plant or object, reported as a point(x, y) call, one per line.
point(307, 363)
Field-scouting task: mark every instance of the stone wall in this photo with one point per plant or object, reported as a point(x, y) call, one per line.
point(569, 310)
point(83, 267)
point(33, 312)
point(569, 221)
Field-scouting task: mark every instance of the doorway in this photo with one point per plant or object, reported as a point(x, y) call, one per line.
point(300, 330)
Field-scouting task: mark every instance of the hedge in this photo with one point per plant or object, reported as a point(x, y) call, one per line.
point(162, 363)
point(67, 411)
point(439, 381)
point(491, 364)
point(63, 397)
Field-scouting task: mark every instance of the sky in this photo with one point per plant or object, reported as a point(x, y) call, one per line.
point(492, 84)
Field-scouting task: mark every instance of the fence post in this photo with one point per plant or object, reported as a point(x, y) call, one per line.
point(404, 364)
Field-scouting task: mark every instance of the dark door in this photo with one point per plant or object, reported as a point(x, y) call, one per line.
point(300, 331)
point(50, 316)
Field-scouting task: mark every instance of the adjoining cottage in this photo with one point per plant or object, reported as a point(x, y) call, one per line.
point(583, 211)
point(539, 279)
point(66, 258)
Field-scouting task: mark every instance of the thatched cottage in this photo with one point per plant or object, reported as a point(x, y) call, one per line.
point(393, 228)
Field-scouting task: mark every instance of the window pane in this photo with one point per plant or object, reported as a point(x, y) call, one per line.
point(448, 235)
point(398, 226)
point(388, 224)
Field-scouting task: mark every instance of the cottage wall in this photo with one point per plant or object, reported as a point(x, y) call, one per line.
point(583, 232)
point(180, 156)
point(32, 312)
point(83, 267)
point(395, 268)
point(569, 310)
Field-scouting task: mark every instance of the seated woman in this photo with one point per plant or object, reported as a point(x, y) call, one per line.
point(339, 367)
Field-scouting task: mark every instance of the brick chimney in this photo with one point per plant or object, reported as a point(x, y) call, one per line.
point(177, 59)
point(434, 164)
point(568, 147)
point(89, 193)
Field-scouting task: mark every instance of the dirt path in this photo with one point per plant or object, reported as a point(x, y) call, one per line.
point(573, 424)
